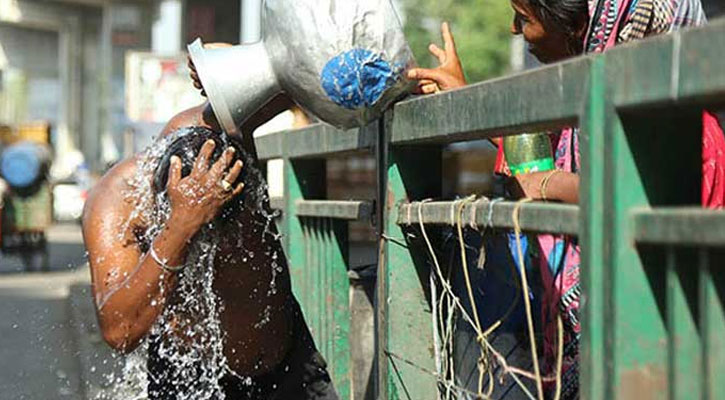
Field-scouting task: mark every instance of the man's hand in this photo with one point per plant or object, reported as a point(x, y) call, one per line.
point(448, 75)
point(195, 75)
point(198, 198)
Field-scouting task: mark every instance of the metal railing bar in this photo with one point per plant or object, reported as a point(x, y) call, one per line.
point(535, 217)
point(682, 67)
point(701, 62)
point(540, 99)
point(315, 141)
point(277, 203)
point(271, 145)
point(679, 227)
point(345, 210)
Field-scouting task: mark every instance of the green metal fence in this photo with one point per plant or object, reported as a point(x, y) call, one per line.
point(653, 268)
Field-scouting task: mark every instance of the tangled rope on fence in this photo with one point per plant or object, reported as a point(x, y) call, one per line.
point(447, 304)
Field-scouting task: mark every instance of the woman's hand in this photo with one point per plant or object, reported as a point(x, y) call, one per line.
point(526, 185)
point(448, 75)
point(195, 75)
point(198, 198)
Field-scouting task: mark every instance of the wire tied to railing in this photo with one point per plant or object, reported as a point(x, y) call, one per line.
point(525, 291)
point(489, 220)
point(472, 299)
point(445, 319)
point(472, 223)
point(453, 303)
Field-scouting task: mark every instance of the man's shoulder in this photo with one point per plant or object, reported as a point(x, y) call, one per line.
point(110, 188)
point(193, 117)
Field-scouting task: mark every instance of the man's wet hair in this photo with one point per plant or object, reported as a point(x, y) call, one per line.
point(186, 146)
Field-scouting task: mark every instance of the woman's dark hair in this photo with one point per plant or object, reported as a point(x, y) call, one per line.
point(186, 146)
point(566, 16)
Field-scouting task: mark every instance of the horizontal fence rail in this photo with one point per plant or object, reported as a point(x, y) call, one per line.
point(317, 140)
point(344, 210)
point(680, 226)
point(485, 213)
point(277, 203)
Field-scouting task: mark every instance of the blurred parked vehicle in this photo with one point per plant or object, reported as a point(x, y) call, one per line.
point(24, 165)
point(3, 192)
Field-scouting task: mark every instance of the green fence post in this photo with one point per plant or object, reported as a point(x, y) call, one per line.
point(317, 252)
point(338, 309)
point(594, 277)
point(403, 293)
point(685, 355)
point(313, 273)
point(652, 158)
point(712, 321)
point(304, 179)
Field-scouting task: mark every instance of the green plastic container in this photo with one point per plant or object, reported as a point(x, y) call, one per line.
point(528, 152)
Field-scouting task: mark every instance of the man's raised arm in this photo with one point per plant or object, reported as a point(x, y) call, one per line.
point(131, 286)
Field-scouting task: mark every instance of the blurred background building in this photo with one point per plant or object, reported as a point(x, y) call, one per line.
point(64, 62)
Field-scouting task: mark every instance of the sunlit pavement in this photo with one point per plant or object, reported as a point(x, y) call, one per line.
point(65, 252)
point(39, 345)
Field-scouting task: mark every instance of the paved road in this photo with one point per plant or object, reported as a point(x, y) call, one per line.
point(65, 251)
point(38, 349)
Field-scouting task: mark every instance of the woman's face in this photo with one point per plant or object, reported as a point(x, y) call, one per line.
point(545, 43)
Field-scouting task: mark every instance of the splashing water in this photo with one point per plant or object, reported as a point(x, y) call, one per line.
point(192, 339)
point(188, 336)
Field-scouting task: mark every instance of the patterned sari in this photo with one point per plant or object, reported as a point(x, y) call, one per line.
point(611, 22)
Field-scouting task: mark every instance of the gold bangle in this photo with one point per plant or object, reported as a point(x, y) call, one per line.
point(545, 183)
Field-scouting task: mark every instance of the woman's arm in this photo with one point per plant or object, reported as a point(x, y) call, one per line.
point(131, 288)
point(561, 186)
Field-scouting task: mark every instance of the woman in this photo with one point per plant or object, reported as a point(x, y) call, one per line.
point(556, 30)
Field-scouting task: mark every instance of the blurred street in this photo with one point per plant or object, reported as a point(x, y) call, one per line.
point(65, 253)
point(40, 350)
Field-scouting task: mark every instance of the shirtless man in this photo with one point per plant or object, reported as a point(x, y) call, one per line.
point(136, 275)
